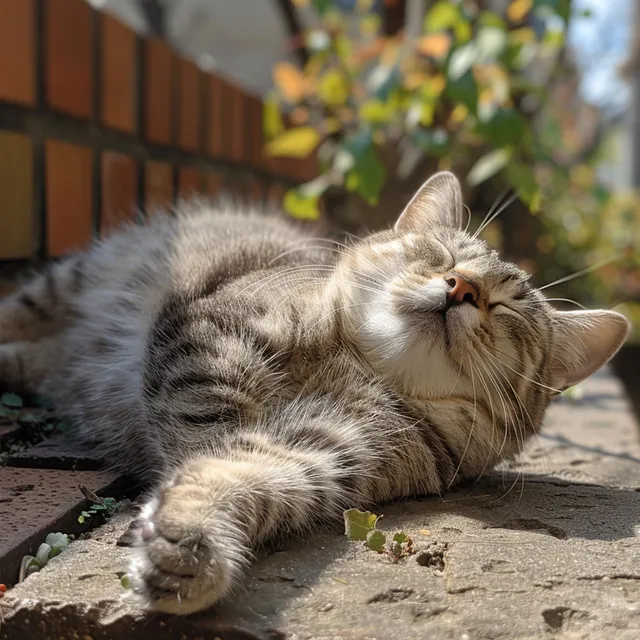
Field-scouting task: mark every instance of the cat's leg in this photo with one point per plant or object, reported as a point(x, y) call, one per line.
point(40, 308)
point(200, 531)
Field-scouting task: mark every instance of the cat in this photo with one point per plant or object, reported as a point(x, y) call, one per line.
point(263, 378)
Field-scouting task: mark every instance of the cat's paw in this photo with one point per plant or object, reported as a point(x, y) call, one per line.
point(182, 564)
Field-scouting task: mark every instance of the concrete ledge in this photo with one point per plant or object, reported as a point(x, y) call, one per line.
point(547, 547)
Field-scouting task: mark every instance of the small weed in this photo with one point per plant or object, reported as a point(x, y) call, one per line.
point(361, 525)
point(105, 507)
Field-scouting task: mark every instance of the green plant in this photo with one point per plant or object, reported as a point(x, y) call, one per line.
point(104, 507)
point(491, 95)
point(361, 525)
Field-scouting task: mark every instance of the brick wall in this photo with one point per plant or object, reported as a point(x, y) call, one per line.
point(97, 123)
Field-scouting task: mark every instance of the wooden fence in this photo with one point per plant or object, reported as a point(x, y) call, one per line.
point(97, 123)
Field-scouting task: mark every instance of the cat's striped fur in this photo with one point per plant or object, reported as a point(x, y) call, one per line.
point(264, 379)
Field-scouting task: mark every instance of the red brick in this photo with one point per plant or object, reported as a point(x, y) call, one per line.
point(69, 56)
point(238, 124)
point(276, 193)
point(190, 107)
point(158, 186)
point(68, 196)
point(35, 502)
point(214, 184)
point(158, 110)
point(119, 190)
point(16, 196)
point(17, 52)
point(255, 135)
point(118, 75)
point(256, 189)
point(189, 182)
point(221, 117)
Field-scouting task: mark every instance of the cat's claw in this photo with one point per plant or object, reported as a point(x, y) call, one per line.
point(177, 568)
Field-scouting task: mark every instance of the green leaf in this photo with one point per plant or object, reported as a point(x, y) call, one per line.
point(465, 91)
point(57, 540)
point(462, 60)
point(367, 176)
point(490, 43)
point(506, 127)
point(487, 166)
point(30, 418)
point(11, 400)
point(492, 19)
point(443, 15)
point(125, 581)
point(524, 181)
point(400, 537)
point(42, 555)
point(55, 551)
point(81, 519)
point(321, 5)
point(300, 206)
point(435, 142)
point(376, 540)
point(333, 88)
point(357, 524)
point(376, 112)
point(295, 143)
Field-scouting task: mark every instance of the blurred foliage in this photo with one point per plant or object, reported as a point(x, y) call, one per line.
point(472, 88)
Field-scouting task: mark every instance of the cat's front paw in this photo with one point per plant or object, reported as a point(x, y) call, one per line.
point(184, 561)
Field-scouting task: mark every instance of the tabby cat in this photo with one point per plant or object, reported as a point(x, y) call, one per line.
point(261, 377)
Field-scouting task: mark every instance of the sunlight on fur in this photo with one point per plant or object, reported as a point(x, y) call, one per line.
point(260, 377)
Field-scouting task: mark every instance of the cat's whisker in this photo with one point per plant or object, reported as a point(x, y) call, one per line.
point(473, 423)
point(579, 274)
point(498, 213)
point(544, 386)
point(492, 208)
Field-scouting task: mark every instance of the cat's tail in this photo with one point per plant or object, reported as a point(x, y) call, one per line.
point(40, 308)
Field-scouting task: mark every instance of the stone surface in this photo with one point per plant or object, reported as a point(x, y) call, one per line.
point(57, 452)
point(34, 502)
point(547, 547)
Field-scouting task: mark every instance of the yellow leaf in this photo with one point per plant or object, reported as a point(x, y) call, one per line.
point(524, 35)
point(414, 80)
point(459, 113)
point(333, 88)
point(582, 175)
point(518, 9)
point(426, 114)
point(375, 111)
point(290, 81)
point(331, 125)
point(378, 137)
point(295, 143)
point(424, 532)
point(434, 86)
point(301, 207)
point(435, 45)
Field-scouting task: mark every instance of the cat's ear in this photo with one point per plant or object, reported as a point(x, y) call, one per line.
point(437, 202)
point(583, 342)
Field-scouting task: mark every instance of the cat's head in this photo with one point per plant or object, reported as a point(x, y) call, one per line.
point(438, 311)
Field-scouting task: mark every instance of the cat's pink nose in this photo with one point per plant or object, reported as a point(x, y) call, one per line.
point(461, 291)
